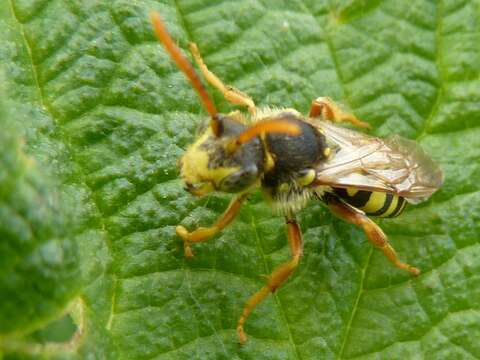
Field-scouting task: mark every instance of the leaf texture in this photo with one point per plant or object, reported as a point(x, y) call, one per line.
point(105, 115)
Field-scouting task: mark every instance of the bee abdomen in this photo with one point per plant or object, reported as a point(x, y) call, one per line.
point(373, 203)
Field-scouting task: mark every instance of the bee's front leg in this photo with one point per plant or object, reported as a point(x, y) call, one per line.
point(327, 109)
point(277, 277)
point(204, 233)
point(374, 233)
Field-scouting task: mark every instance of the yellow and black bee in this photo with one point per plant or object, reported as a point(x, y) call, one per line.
point(293, 158)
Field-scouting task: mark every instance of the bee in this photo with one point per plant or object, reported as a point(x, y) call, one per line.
point(293, 158)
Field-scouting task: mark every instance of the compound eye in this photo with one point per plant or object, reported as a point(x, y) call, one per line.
point(240, 180)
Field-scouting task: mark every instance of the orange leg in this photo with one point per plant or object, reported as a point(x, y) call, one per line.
point(204, 233)
point(327, 109)
point(277, 277)
point(374, 233)
point(231, 94)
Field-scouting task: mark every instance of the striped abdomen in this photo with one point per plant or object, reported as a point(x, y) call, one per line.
point(373, 203)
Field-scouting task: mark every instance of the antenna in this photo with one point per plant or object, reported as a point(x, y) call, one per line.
point(184, 65)
point(272, 126)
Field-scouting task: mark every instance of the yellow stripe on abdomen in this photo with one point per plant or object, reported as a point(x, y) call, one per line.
point(373, 203)
point(384, 205)
point(392, 207)
point(351, 191)
point(399, 208)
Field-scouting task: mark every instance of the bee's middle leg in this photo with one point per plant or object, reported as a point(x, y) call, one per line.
point(374, 233)
point(327, 109)
point(204, 233)
point(277, 277)
point(230, 93)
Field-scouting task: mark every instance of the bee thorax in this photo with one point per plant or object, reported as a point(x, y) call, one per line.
point(287, 185)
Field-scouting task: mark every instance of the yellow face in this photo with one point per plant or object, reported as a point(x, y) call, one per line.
point(208, 166)
point(196, 165)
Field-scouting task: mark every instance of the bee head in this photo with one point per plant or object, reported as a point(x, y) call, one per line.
point(209, 165)
point(227, 156)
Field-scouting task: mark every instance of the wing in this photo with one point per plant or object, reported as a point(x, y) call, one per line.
point(365, 162)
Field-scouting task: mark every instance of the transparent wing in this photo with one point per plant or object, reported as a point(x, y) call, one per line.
point(365, 162)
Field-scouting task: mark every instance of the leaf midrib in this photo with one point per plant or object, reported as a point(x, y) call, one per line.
point(441, 75)
point(275, 296)
point(28, 47)
point(346, 334)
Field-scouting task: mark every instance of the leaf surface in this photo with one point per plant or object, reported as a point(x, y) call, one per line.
point(105, 115)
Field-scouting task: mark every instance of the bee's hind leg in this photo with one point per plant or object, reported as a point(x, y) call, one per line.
point(204, 233)
point(374, 233)
point(277, 277)
point(233, 95)
point(327, 109)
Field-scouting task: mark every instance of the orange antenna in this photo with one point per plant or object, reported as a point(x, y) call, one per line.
point(186, 68)
point(278, 126)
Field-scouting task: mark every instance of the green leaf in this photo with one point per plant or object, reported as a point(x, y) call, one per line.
point(39, 263)
point(96, 116)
